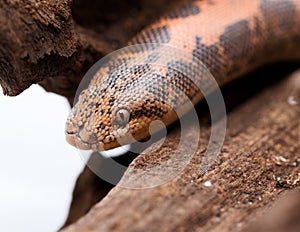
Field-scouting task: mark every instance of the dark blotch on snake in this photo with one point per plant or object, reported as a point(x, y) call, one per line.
point(236, 40)
point(286, 17)
point(184, 11)
point(151, 39)
point(209, 55)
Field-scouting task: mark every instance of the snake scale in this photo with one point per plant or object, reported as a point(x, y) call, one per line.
point(230, 37)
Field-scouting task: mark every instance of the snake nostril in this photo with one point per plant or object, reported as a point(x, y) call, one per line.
point(70, 128)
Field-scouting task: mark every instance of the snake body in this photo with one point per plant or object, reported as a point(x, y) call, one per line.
point(230, 38)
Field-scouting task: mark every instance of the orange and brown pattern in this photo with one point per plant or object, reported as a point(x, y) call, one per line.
point(230, 37)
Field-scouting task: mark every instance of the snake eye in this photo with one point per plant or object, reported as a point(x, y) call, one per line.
point(122, 117)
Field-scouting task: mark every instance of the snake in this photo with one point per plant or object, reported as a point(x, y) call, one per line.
point(230, 38)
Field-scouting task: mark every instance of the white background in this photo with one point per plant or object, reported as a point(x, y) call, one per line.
point(38, 168)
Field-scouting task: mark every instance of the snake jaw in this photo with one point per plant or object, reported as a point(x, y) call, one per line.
point(79, 137)
point(89, 135)
point(77, 142)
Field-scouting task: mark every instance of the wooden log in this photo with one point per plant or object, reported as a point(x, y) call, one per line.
point(259, 161)
point(53, 43)
point(90, 189)
point(36, 40)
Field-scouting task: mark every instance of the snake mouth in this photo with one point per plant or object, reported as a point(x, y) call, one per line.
point(76, 141)
point(81, 138)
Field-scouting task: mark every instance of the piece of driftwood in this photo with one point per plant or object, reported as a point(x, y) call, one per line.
point(259, 160)
point(36, 41)
point(53, 43)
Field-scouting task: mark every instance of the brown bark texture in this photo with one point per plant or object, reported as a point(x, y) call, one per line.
point(259, 161)
point(53, 43)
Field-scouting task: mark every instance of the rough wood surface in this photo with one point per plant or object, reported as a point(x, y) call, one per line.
point(90, 189)
point(53, 43)
point(258, 162)
point(36, 40)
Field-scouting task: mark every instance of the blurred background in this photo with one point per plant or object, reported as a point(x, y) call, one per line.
point(38, 168)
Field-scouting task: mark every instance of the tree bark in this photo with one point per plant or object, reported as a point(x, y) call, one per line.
point(36, 40)
point(258, 162)
point(55, 42)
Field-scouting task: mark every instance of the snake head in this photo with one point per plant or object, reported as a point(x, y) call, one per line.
point(94, 123)
point(115, 111)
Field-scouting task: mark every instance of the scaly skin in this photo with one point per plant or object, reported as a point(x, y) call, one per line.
point(230, 37)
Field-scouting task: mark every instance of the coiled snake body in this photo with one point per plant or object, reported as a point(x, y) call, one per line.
point(230, 37)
